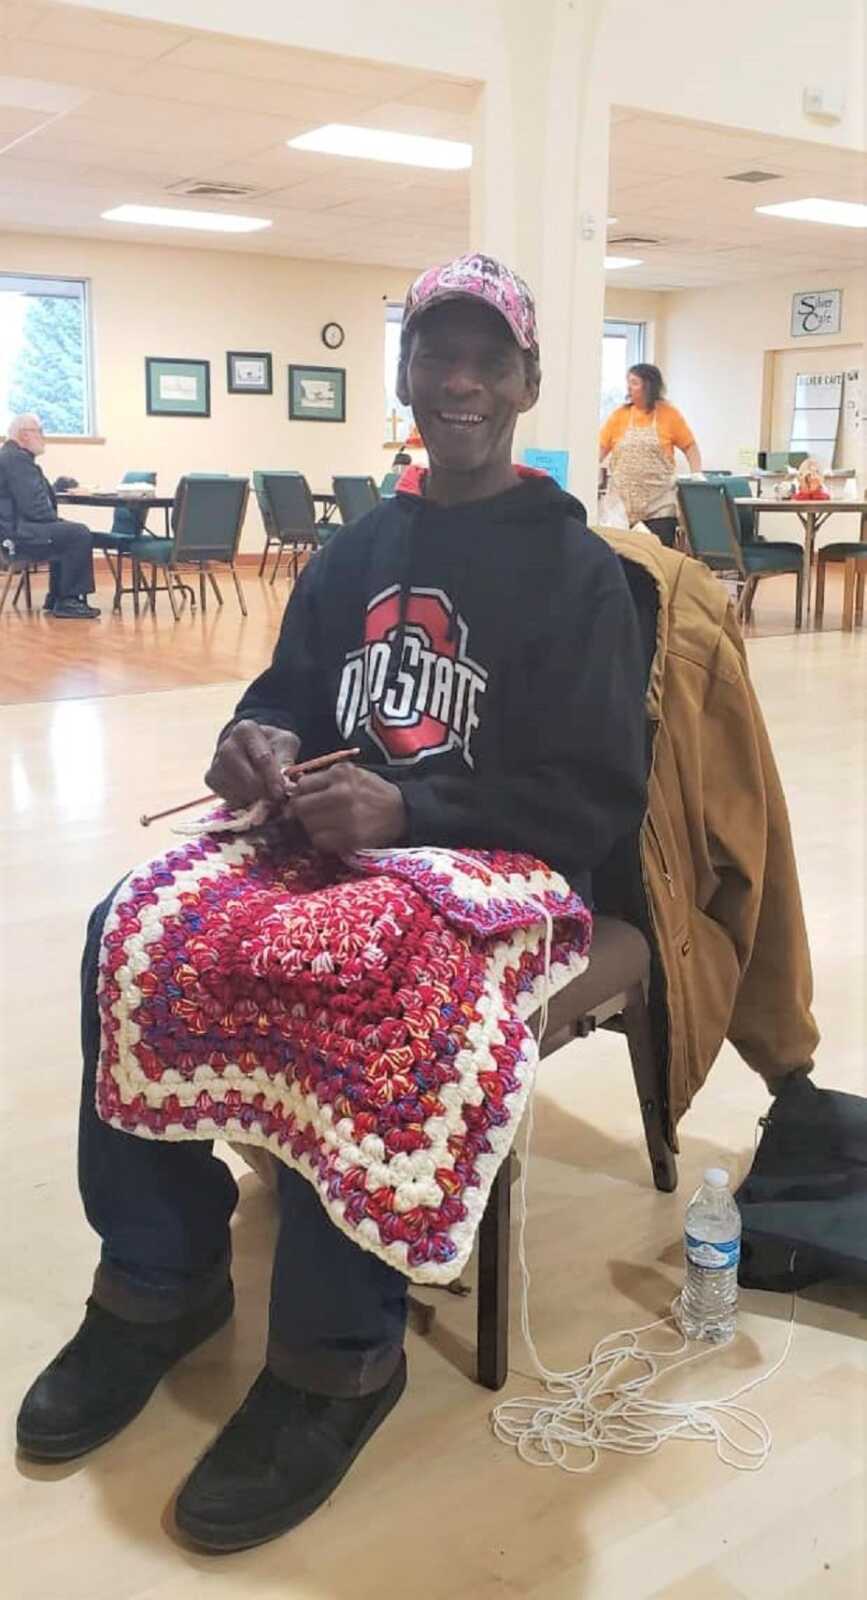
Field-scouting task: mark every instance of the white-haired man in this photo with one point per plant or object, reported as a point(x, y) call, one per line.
point(28, 517)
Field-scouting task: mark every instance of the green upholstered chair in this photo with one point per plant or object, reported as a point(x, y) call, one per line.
point(207, 521)
point(289, 516)
point(355, 497)
point(712, 530)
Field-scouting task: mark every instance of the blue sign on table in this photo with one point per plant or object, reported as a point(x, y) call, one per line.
point(554, 462)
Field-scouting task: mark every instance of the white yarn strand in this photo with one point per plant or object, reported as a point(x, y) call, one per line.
point(596, 1408)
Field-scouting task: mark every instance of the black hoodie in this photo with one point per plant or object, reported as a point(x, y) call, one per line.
point(488, 656)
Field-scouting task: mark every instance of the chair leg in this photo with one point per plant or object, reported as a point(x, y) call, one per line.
point(19, 586)
point(216, 587)
point(264, 557)
point(170, 591)
point(848, 595)
point(799, 596)
point(492, 1314)
point(238, 590)
point(819, 606)
point(203, 593)
point(745, 601)
point(276, 566)
point(645, 1071)
point(118, 582)
point(859, 594)
point(6, 587)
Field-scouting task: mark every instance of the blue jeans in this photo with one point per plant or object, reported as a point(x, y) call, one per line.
point(162, 1210)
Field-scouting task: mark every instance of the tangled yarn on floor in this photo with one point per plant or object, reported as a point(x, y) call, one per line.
point(365, 1021)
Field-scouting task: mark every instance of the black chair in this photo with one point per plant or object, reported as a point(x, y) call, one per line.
point(355, 497)
point(289, 515)
point(612, 994)
point(207, 520)
point(713, 534)
point(20, 563)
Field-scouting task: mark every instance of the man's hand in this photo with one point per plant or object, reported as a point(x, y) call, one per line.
point(248, 765)
point(346, 808)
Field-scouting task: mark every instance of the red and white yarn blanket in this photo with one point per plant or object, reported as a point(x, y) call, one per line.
point(365, 1021)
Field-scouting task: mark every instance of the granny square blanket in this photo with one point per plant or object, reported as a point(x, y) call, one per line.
point(363, 1020)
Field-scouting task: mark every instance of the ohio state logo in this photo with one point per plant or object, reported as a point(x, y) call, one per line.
point(431, 703)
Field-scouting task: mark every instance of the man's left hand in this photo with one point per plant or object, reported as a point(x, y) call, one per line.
point(346, 808)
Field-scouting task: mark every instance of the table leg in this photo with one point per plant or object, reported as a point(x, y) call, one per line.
point(809, 521)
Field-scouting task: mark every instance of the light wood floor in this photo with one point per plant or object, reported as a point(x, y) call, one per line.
point(101, 723)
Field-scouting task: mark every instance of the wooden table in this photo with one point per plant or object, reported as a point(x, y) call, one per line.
point(812, 515)
point(111, 499)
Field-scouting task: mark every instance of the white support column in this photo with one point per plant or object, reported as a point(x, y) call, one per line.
point(539, 200)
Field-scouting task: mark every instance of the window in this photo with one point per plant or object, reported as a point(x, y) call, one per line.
point(398, 418)
point(45, 352)
point(622, 347)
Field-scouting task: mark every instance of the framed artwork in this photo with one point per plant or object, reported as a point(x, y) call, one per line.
point(317, 394)
point(248, 372)
point(177, 388)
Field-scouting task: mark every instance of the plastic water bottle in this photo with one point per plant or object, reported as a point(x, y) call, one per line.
point(707, 1307)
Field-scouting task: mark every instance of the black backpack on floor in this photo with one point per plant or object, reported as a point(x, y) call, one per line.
point(804, 1202)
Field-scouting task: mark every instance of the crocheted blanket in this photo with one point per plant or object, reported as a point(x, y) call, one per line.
point(365, 1021)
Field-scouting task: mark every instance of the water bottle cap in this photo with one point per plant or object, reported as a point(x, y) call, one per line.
point(717, 1177)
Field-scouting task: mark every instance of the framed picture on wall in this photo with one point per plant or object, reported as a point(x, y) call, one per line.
point(248, 372)
point(317, 394)
point(177, 388)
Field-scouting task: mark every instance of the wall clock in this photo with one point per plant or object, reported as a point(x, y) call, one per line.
point(333, 335)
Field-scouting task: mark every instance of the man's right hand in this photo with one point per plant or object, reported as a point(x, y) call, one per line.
point(248, 764)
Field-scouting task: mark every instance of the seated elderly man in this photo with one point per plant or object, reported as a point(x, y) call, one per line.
point(479, 646)
point(28, 517)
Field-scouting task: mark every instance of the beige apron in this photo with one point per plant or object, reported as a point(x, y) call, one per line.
point(643, 475)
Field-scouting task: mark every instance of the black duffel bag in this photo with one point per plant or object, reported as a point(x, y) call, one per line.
point(804, 1202)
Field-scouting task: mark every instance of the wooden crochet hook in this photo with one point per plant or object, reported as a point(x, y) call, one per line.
point(315, 764)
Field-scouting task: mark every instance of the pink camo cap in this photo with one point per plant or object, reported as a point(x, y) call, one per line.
point(477, 277)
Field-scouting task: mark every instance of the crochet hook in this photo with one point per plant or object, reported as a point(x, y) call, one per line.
point(315, 764)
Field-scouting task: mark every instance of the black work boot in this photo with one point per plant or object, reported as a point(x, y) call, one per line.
point(278, 1458)
point(104, 1376)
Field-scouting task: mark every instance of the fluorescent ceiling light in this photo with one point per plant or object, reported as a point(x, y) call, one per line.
point(169, 217)
point(841, 213)
point(375, 144)
point(617, 263)
point(612, 221)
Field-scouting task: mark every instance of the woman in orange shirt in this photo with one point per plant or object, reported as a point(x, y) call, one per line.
point(641, 437)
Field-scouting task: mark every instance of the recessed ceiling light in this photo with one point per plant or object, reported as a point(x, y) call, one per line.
point(375, 144)
point(840, 213)
point(170, 217)
point(617, 263)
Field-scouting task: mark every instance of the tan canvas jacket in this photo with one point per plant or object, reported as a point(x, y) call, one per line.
point(716, 846)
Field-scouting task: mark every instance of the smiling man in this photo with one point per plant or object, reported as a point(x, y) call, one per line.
point(480, 647)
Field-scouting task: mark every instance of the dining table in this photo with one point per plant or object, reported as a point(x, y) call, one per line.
point(110, 499)
point(327, 503)
point(812, 514)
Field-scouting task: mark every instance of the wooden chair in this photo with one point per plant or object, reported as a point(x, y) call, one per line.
point(613, 994)
point(852, 557)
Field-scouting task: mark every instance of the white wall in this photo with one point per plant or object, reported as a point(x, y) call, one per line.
point(715, 343)
point(159, 301)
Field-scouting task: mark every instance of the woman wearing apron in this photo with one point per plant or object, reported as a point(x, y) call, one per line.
point(641, 437)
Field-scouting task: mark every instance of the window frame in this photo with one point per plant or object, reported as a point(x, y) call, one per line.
point(69, 288)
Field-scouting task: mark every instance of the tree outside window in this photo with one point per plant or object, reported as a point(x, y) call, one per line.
point(44, 352)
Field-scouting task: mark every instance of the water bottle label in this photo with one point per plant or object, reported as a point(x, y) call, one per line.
point(713, 1257)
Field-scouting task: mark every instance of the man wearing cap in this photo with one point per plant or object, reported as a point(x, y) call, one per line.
point(479, 646)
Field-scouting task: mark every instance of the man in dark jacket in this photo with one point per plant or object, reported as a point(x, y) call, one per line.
point(29, 520)
point(480, 647)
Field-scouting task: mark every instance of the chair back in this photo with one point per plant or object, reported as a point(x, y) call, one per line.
point(287, 507)
point(711, 526)
point(739, 489)
point(127, 520)
point(355, 497)
point(263, 502)
point(209, 516)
